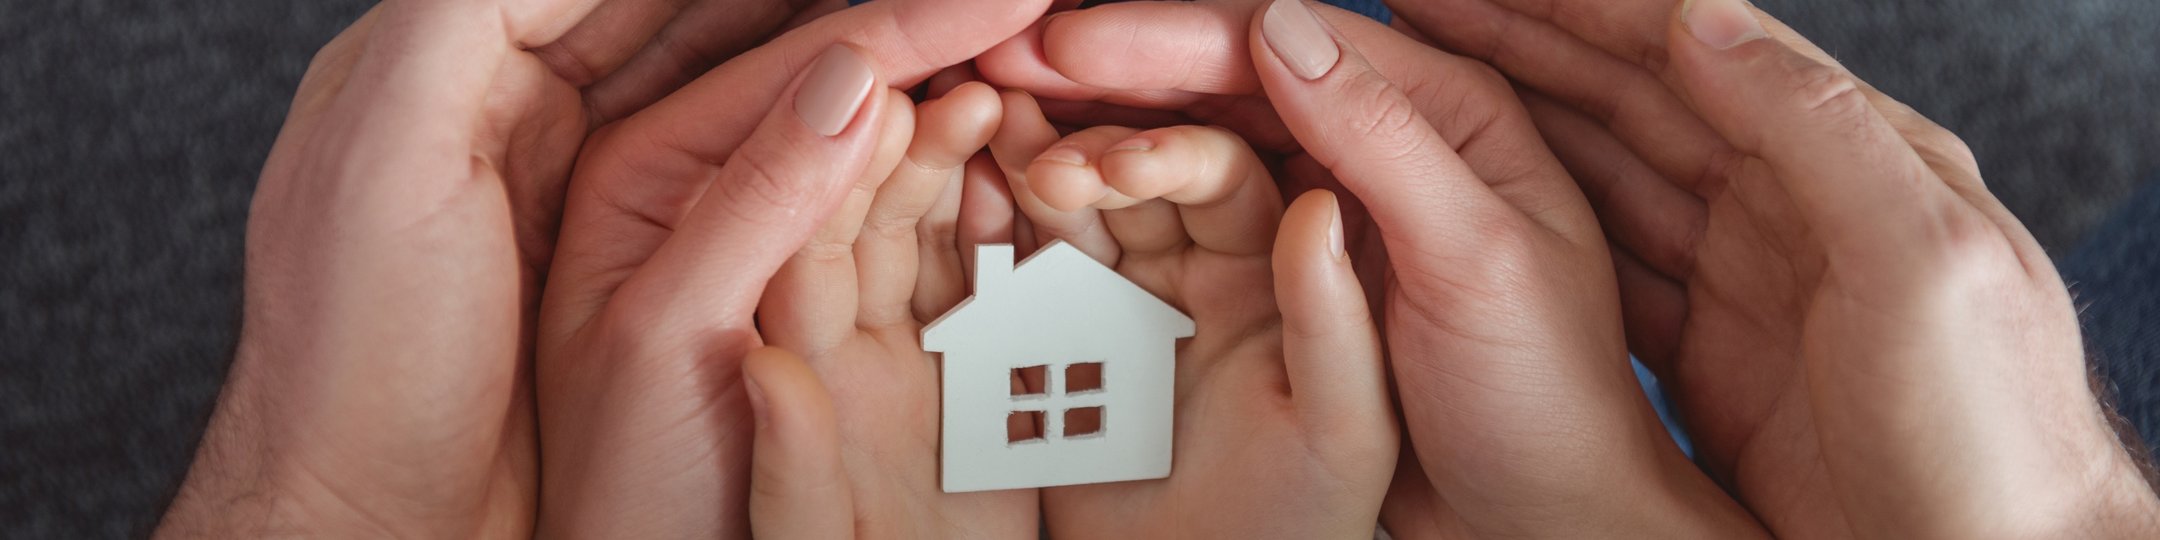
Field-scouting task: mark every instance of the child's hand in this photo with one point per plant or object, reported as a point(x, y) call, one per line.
point(853, 303)
point(1284, 427)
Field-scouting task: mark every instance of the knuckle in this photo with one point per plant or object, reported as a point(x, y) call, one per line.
point(1939, 145)
point(1384, 113)
point(762, 183)
point(1828, 92)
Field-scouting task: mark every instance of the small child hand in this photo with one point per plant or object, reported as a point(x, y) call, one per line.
point(852, 302)
point(1284, 427)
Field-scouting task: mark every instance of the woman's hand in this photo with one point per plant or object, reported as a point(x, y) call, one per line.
point(1487, 266)
point(677, 218)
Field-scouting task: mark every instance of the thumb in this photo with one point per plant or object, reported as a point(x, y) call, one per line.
point(1852, 176)
point(1358, 125)
point(1331, 350)
point(767, 200)
point(797, 487)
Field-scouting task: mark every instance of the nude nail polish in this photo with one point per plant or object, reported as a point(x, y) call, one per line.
point(833, 89)
point(1297, 36)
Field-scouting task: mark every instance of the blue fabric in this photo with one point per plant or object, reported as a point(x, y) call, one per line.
point(1664, 406)
point(2116, 279)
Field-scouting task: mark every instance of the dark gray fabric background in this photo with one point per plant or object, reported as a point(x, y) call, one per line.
point(131, 132)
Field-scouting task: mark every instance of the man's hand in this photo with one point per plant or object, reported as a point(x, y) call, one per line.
point(1861, 338)
point(396, 248)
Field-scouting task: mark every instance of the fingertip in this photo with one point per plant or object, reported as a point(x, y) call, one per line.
point(1312, 233)
point(780, 385)
point(1119, 46)
point(1061, 178)
point(1140, 166)
point(954, 127)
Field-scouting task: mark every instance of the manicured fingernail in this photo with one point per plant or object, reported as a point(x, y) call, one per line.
point(1065, 155)
point(1335, 232)
point(1721, 24)
point(833, 89)
point(1136, 144)
point(758, 412)
point(1295, 33)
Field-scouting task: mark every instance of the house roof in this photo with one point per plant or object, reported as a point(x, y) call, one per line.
point(1056, 277)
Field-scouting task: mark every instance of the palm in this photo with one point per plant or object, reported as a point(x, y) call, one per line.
point(885, 396)
point(1238, 442)
point(1736, 368)
point(436, 220)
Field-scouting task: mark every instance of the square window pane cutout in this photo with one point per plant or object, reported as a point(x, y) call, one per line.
point(1023, 426)
point(1028, 381)
point(1083, 421)
point(1083, 377)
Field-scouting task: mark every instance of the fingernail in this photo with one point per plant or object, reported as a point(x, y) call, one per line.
point(1295, 33)
point(833, 89)
point(758, 413)
point(1064, 154)
point(1721, 24)
point(1335, 232)
point(1136, 144)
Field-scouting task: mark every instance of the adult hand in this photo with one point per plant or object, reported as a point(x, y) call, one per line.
point(676, 220)
point(1863, 341)
point(1498, 303)
point(395, 251)
point(1290, 383)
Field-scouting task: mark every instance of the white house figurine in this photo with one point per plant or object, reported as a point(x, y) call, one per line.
point(1104, 349)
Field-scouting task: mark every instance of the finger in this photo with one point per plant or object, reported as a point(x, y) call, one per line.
point(1653, 308)
point(695, 35)
point(987, 214)
point(1065, 175)
point(611, 33)
point(948, 79)
point(940, 284)
point(1849, 172)
point(1355, 123)
point(640, 176)
point(1149, 226)
point(1629, 100)
point(812, 303)
point(948, 132)
point(1022, 135)
point(701, 123)
point(767, 201)
point(1331, 348)
point(1226, 199)
point(1639, 208)
point(1101, 48)
point(1021, 63)
point(798, 488)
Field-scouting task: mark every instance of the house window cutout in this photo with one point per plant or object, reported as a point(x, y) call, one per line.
point(1083, 422)
point(1084, 377)
point(1028, 382)
point(1023, 427)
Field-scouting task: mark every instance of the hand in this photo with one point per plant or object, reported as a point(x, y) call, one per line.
point(854, 301)
point(1862, 339)
point(676, 219)
point(1283, 423)
point(396, 247)
point(1494, 281)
